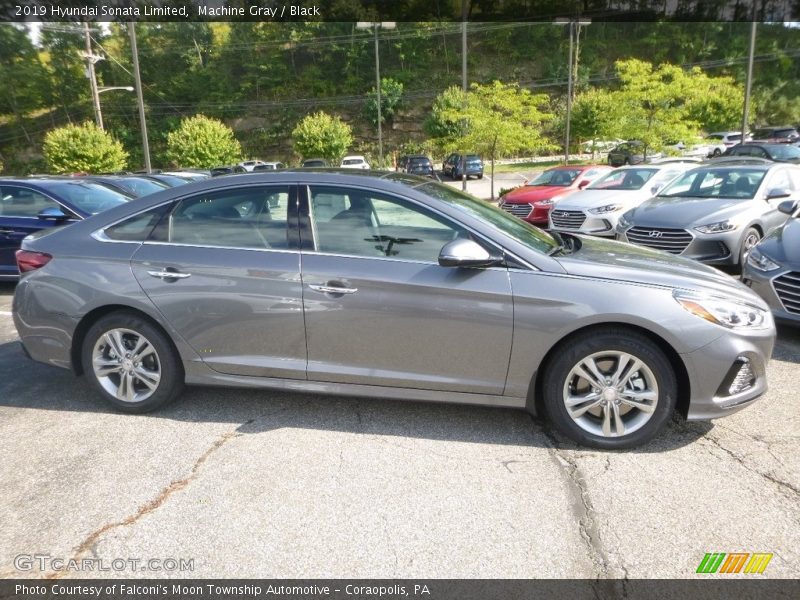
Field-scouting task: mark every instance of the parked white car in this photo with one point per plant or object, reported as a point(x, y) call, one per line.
point(354, 162)
point(249, 165)
point(728, 138)
point(597, 208)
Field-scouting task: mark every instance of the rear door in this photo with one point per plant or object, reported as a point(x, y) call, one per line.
point(223, 267)
point(19, 207)
point(380, 310)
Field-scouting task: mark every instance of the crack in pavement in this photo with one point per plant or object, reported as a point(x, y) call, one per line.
point(783, 485)
point(588, 522)
point(88, 544)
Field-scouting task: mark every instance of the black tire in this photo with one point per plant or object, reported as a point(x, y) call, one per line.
point(166, 358)
point(573, 351)
point(751, 238)
point(716, 152)
point(627, 161)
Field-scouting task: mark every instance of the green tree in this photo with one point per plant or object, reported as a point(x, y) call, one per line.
point(502, 120)
point(445, 123)
point(595, 116)
point(391, 94)
point(83, 148)
point(202, 142)
point(322, 135)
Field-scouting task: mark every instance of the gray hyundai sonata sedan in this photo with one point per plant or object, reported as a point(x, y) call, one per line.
point(387, 285)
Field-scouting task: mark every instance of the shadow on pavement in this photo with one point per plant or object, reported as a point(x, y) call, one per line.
point(789, 348)
point(28, 384)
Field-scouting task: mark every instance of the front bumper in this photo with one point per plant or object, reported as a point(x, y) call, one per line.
point(604, 225)
point(711, 249)
point(763, 284)
point(713, 368)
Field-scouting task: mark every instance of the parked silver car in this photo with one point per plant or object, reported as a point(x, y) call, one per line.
point(714, 213)
point(387, 285)
point(596, 209)
point(772, 268)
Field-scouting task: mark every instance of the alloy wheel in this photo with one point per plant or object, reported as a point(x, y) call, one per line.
point(126, 365)
point(610, 394)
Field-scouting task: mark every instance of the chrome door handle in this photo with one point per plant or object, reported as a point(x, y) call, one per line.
point(168, 274)
point(7, 231)
point(329, 289)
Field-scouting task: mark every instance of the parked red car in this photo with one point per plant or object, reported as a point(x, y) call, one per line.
point(533, 201)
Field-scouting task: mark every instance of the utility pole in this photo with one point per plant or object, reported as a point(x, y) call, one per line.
point(375, 26)
point(749, 80)
point(139, 97)
point(569, 96)
point(91, 59)
point(464, 83)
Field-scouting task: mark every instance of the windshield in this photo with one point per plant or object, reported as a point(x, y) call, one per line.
point(785, 152)
point(623, 179)
point(139, 187)
point(352, 161)
point(519, 230)
point(173, 180)
point(560, 177)
point(91, 198)
point(729, 183)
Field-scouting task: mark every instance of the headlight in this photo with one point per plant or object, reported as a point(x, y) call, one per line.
point(730, 314)
point(625, 221)
point(760, 262)
point(719, 227)
point(601, 210)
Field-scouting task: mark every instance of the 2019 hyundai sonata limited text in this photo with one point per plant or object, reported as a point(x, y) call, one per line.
point(387, 285)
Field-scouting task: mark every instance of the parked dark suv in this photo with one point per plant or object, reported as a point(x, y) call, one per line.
point(785, 134)
point(458, 164)
point(418, 164)
point(775, 152)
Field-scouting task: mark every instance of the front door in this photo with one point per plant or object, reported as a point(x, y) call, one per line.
point(223, 268)
point(380, 310)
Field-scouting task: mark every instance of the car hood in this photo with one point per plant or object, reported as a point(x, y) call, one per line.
point(687, 212)
point(613, 260)
point(532, 193)
point(594, 198)
point(783, 245)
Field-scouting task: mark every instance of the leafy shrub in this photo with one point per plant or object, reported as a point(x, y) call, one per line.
point(202, 142)
point(83, 148)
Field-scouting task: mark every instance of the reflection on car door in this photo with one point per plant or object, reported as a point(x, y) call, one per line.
point(779, 179)
point(381, 311)
point(224, 270)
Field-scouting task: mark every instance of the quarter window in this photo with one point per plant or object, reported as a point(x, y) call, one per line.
point(245, 217)
point(364, 223)
point(138, 227)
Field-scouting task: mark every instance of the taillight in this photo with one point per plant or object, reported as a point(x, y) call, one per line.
point(30, 261)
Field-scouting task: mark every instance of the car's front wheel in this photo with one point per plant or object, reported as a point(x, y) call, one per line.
point(609, 389)
point(750, 239)
point(131, 363)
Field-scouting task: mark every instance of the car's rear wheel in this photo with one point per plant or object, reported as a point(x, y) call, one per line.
point(750, 239)
point(131, 363)
point(609, 389)
point(717, 152)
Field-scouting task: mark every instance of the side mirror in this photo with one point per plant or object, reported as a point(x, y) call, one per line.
point(53, 213)
point(788, 207)
point(778, 193)
point(466, 253)
point(583, 184)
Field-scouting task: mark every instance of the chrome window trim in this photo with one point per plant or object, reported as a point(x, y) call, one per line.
point(416, 203)
point(182, 245)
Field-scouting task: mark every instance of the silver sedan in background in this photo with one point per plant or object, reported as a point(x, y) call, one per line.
point(772, 268)
point(387, 285)
point(714, 213)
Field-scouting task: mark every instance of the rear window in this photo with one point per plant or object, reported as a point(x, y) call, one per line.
point(352, 161)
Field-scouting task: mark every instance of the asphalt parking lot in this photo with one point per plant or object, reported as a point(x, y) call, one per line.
point(259, 484)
